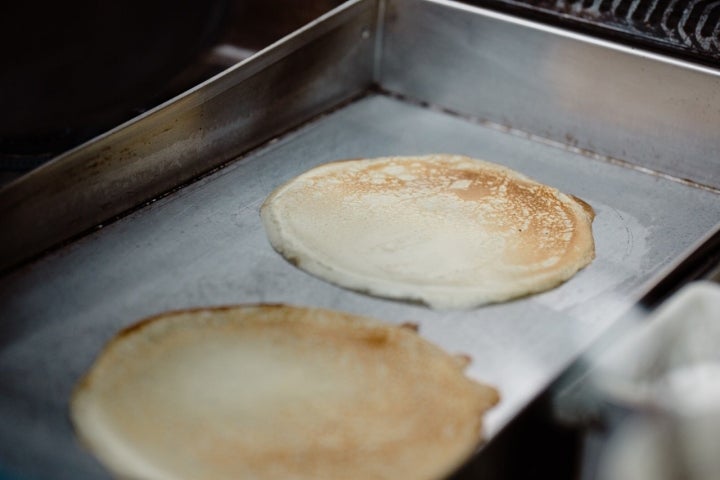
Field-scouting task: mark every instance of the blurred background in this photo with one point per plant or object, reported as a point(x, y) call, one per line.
point(73, 70)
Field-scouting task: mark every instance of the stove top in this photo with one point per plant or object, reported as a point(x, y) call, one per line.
point(684, 28)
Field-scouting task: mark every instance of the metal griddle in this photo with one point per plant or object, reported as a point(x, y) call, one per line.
point(369, 79)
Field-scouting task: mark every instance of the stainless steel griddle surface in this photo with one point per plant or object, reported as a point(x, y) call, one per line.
point(205, 245)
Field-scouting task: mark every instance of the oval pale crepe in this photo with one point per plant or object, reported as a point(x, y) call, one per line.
point(277, 392)
point(446, 230)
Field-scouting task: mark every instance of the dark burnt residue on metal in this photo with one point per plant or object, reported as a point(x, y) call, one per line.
point(687, 28)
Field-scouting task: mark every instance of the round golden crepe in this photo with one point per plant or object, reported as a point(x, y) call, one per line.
point(446, 230)
point(277, 392)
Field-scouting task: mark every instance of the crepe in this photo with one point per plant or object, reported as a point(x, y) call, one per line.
point(446, 230)
point(277, 392)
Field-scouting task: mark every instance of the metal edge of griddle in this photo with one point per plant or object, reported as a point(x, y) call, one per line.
point(551, 430)
point(308, 72)
point(574, 395)
point(652, 111)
